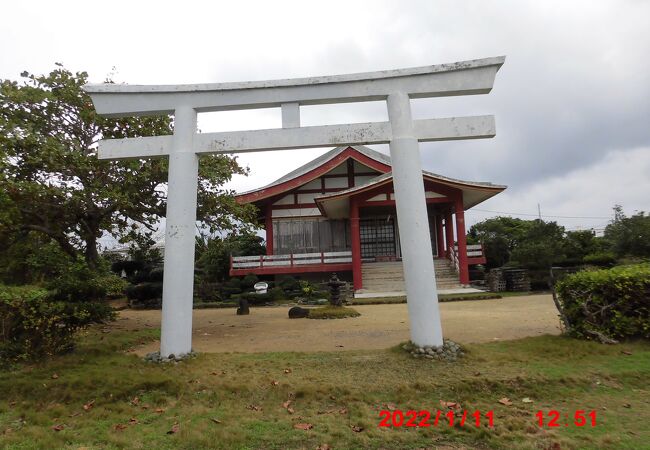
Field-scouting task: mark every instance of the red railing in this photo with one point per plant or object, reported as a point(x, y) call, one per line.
point(290, 261)
point(475, 255)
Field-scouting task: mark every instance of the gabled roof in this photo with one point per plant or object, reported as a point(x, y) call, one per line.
point(335, 205)
point(474, 192)
point(317, 167)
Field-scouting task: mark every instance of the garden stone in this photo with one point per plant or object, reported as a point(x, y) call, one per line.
point(243, 309)
point(298, 313)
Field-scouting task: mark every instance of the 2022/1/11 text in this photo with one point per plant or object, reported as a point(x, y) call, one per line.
point(425, 418)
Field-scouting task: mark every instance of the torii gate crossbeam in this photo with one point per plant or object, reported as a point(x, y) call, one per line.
point(401, 132)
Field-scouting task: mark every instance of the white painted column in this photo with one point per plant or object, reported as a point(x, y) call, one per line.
point(415, 239)
point(180, 230)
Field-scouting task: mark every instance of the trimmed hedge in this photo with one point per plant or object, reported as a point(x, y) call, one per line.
point(610, 303)
point(34, 323)
point(79, 283)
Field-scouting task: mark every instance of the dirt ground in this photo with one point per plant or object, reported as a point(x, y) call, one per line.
point(380, 326)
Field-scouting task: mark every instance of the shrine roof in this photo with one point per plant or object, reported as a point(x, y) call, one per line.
point(336, 204)
point(317, 167)
point(379, 161)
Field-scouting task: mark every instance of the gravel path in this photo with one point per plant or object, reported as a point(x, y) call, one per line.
point(380, 326)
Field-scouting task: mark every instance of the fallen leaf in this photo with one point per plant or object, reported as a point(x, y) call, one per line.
point(626, 405)
point(160, 410)
point(391, 406)
point(215, 420)
point(88, 406)
point(303, 426)
point(356, 428)
point(54, 376)
point(526, 400)
point(135, 401)
point(287, 370)
point(58, 427)
point(119, 427)
point(274, 383)
point(450, 405)
point(625, 352)
point(286, 404)
point(290, 410)
point(505, 401)
point(174, 429)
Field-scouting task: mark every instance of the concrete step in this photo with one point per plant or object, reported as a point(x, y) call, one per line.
point(389, 276)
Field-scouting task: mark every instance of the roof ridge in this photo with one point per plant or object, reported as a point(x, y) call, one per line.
point(322, 159)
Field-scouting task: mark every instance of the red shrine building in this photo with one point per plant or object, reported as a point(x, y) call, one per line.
point(337, 214)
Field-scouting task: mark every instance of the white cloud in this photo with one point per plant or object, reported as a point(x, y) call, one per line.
point(618, 178)
point(572, 95)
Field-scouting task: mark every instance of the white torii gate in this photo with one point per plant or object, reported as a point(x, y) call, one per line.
point(401, 132)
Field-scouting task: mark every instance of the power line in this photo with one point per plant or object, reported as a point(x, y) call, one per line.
point(538, 215)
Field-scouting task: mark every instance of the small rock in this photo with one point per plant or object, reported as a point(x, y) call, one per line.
point(298, 313)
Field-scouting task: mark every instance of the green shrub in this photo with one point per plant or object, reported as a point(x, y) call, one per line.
point(146, 294)
point(332, 312)
point(249, 281)
point(86, 287)
point(35, 324)
point(114, 285)
point(602, 259)
point(277, 293)
point(207, 292)
point(289, 283)
point(80, 283)
point(613, 303)
point(257, 299)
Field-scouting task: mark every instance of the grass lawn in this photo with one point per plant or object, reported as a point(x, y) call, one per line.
point(236, 400)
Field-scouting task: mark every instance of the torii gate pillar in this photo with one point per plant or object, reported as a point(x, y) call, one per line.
point(413, 222)
point(180, 232)
point(401, 132)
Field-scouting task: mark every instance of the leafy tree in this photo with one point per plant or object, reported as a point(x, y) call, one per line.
point(500, 236)
point(213, 254)
point(629, 235)
point(533, 244)
point(578, 244)
point(52, 183)
point(541, 245)
point(30, 258)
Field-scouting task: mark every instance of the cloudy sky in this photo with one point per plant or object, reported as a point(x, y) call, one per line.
point(572, 102)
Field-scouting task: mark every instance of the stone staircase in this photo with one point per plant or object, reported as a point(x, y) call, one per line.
point(389, 276)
